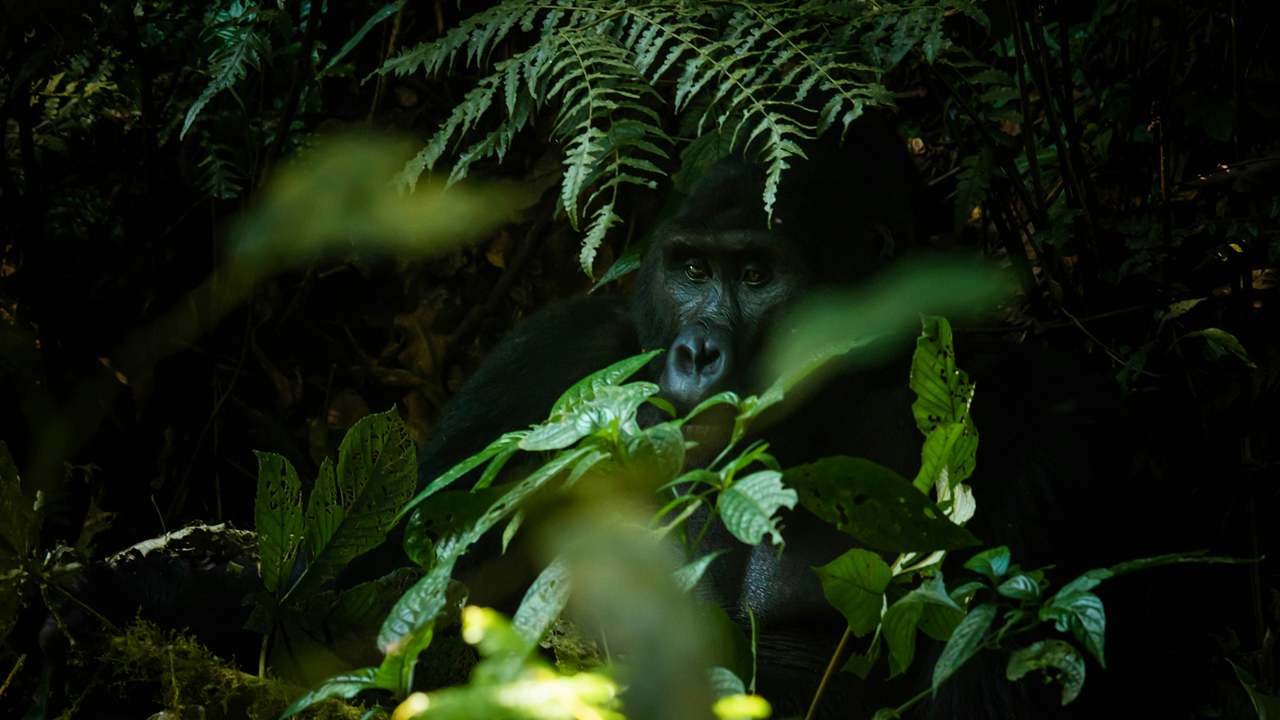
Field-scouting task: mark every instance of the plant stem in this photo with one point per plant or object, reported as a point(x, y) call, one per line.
point(826, 674)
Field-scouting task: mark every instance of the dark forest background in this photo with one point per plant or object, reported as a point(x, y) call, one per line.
point(1120, 158)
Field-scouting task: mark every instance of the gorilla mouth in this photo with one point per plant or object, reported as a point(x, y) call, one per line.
point(711, 430)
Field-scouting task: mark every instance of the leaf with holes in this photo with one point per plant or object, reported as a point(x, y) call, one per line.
point(1083, 615)
point(1050, 654)
point(277, 517)
point(351, 510)
point(875, 505)
point(749, 505)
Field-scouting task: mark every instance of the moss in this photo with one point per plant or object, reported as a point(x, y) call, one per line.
point(149, 668)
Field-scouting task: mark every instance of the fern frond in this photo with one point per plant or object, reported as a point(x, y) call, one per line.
point(769, 75)
point(242, 47)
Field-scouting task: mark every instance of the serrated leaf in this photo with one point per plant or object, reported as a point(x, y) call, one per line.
point(748, 506)
point(854, 584)
point(875, 505)
point(351, 510)
point(1055, 654)
point(965, 641)
point(277, 519)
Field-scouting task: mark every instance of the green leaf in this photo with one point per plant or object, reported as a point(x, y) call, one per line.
point(991, 564)
point(899, 629)
point(948, 456)
point(543, 602)
point(1220, 343)
point(419, 607)
point(277, 519)
point(943, 391)
point(748, 506)
point(243, 47)
point(612, 411)
point(965, 641)
point(854, 584)
point(1082, 614)
point(875, 505)
point(417, 541)
point(657, 454)
point(1020, 587)
point(497, 448)
point(907, 614)
point(1050, 654)
point(1266, 706)
point(345, 686)
point(588, 387)
point(724, 682)
point(350, 511)
point(688, 576)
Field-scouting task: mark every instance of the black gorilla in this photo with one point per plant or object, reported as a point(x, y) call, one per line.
point(712, 284)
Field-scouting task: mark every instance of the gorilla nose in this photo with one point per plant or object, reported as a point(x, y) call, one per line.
point(697, 363)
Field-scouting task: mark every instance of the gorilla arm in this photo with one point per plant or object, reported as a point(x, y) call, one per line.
point(522, 377)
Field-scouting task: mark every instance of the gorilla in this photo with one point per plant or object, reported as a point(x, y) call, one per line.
point(715, 280)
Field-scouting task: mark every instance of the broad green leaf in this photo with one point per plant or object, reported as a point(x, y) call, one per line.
point(688, 576)
point(948, 456)
point(965, 641)
point(609, 408)
point(875, 505)
point(991, 564)
point(904, 616)
point(345, 686)
point(899, 630)
point(854, 584)
point(657, 454)
point(1082, 614)
point(350, 511)
point(277, 519)
point(543, 602)
point(943, 391)
point(588, 387)
point(1058, 655)
point(1020, 587)
point(748, 506)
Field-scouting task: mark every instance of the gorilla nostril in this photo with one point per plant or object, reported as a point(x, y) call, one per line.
point(682, 355)
point(710, 359)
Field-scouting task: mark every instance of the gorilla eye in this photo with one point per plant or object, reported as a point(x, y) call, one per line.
point(696, 270)
point(755, 276)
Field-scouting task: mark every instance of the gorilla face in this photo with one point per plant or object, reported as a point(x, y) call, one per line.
point(717, 292)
